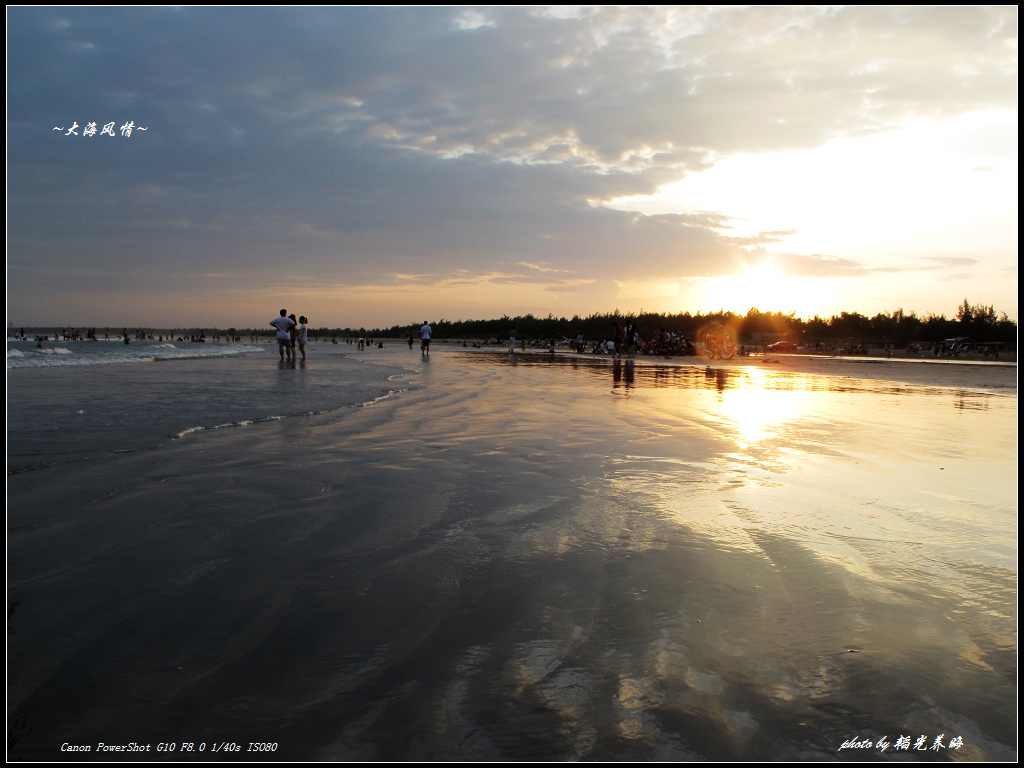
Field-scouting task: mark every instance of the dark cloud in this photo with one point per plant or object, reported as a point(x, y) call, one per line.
point(374, 142)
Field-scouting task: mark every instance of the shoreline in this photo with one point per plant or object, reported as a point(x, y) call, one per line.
point(219, 337)
point(988, 376)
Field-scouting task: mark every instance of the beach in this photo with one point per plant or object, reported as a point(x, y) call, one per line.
point(476, 556)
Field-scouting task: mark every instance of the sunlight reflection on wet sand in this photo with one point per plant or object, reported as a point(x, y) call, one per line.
point(865, 502)
point(537, 558)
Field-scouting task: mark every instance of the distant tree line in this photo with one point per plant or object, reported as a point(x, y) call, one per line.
point(980, 323)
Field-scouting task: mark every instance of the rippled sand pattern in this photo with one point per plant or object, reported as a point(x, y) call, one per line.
point(535, 560)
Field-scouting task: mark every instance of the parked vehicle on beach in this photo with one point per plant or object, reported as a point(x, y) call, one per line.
point(719, 343)
point(952, 347)
point(783, 346)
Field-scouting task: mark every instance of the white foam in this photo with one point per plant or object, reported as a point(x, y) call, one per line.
point(79, 354)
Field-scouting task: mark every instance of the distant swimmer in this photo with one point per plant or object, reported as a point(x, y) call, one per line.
point(284, 324)
point(425, 339)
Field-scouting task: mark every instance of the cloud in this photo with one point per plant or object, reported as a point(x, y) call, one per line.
point(941, 262)
point(816, 265)
point(375, 143)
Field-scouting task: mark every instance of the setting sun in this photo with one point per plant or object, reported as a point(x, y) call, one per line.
point(767, 290)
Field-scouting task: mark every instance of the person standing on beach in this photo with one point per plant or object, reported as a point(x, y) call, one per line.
point(630, 339)
point(425, 339)
point(284, 326)
point(291, 334)
point(512, 341)
point(300, 335)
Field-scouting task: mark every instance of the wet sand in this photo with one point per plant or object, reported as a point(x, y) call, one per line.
point(568, 560)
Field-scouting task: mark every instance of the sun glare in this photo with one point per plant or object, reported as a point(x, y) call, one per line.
point(756, 410)
point(762, 288)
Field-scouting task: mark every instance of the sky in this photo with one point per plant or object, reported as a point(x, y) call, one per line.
point(368, 167)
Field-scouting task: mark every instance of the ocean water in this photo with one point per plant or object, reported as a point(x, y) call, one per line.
point(74, 400)
point(26, 353)
point(483, 557)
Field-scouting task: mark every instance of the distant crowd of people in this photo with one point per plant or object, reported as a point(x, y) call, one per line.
point(624, 340)
point(75, 334)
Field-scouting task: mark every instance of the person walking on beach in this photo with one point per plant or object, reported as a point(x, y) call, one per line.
point(425, 339)
point(284, 324)
point(617, 338)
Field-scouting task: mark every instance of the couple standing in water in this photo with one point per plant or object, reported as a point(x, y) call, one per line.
point(290, 333)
